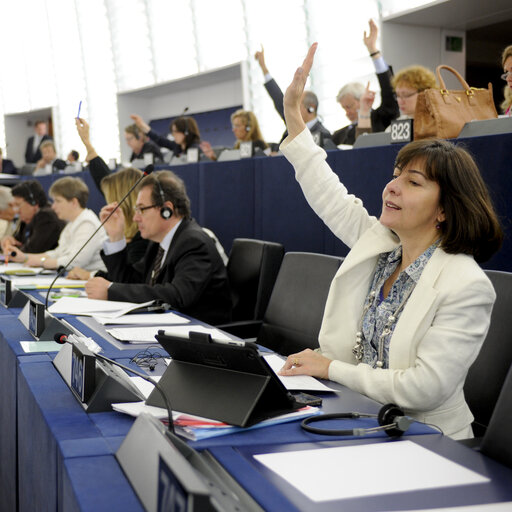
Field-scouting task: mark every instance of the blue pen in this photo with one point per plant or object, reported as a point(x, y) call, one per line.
point(79, 107)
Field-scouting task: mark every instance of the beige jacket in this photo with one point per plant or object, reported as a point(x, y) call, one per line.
point(440, 330)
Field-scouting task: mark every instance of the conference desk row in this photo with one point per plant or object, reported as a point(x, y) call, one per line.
point(259, 197)
point(55, 456)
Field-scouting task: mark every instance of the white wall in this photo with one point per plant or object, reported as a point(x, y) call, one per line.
point(405, 45)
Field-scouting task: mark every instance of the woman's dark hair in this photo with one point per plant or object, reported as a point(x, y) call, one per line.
point(188, 126)
point(172, 188)
point(31, 191)
point(471, 225)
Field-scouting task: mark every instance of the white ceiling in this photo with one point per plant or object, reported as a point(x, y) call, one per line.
point(456, 14)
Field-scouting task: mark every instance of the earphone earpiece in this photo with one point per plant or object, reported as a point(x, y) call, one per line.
point(390, 414)
point(248, 128)
point(165, 211)
point(32, 200)
point(311, 110)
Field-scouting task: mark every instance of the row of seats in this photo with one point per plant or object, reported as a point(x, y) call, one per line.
point(279, 301)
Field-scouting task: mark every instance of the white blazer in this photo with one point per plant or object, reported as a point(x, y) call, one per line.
point(441, 328)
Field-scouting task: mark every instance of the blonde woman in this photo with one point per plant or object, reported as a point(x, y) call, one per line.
point(245, 128)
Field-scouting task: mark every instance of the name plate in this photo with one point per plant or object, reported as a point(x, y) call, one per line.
point(401, 130)
point(36, 318)
point(83, 371)
point(192, 155)
point(5, 290)
point(171, 495)
point(246, 149)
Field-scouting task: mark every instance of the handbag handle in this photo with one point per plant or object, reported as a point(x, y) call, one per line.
point(457, 74)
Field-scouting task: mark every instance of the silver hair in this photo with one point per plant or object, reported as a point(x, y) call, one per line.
point(356, 89)
point(5, 197)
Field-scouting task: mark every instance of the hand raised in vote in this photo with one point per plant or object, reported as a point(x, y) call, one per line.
point(307, 362)
point(140, 123)
point(260, 57)
point(293, 95)
point(97, 288)
point(82, 127)
point(370, 40)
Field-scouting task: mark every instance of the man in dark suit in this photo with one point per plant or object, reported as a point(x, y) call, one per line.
point(49, 163)
point(33, 151)
point(7, 166)
point(181, 266)
point(308, 107)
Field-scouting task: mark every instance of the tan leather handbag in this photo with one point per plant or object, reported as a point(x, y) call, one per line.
point(443, 113)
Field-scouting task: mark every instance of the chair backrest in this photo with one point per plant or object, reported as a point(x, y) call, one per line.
point(497, 441)
point(295, 311)
point(252, 269)
point(487, 374)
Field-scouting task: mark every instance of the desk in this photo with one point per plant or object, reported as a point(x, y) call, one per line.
point(64, 457)
point(259, 197)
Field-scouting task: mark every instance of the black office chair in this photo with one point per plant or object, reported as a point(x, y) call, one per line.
point(497, 441)
point(252, 270)
point(487, 374)
point(295, 311)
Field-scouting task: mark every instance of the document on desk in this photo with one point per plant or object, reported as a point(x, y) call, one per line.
point(39, 281)
point(94, 307)
point(364, 470)
point(147, 334)
point(144, 319)
point(19, 269)
point(297, 382)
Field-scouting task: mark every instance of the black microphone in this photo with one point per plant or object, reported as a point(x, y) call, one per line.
point(148, 170)
point(62, 338)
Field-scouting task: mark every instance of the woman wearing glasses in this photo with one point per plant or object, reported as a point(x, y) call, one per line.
point(506, 61)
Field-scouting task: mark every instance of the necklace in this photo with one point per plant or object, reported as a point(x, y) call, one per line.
point(358, 349)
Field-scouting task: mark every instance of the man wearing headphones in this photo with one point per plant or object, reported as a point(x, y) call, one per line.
point(140, 145)
point(308, 107)
point(39, 228)
point(181, 267)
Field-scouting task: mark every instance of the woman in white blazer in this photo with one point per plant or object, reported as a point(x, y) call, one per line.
point(409, 308)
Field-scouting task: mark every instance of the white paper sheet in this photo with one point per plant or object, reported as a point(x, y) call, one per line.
point(506, 506)
point(137, 334)
point(297, 382)
point(28, 282)
point(19, 267)
point(93, 307)
point(354, 471)
point(183, 330)
point(144, 319)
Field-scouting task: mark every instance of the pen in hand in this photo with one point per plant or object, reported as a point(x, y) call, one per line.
point(79, 107)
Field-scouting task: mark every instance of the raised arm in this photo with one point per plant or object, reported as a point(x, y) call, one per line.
point(293, 95)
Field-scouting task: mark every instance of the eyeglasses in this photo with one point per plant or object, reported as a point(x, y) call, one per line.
point(406, 95)
point(141, 209)
point(505, 75)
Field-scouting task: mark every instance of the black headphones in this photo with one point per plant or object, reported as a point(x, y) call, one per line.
point(165, 211)
point(391, 419)
point(32, 200)
point(186, 126)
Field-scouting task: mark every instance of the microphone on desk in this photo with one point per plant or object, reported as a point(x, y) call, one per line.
point(148, 170)
point(62, 338)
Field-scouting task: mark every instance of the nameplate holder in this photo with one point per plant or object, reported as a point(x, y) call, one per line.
point(192, 155)
point(246, 149)
point(159, 473)
point(11, 297)
point(401, 131)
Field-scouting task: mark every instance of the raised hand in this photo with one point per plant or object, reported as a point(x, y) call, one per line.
point(115, 224)
point(370, 40)
point(140, 123)
point(260, 57)
point(293, 95)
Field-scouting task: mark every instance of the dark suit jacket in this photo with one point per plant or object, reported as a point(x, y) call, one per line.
point(192, 279)
point(32, 157)
point(8, 167)
point(380, 118)
point(274, 91)
point(42, 233)
point(148, 147)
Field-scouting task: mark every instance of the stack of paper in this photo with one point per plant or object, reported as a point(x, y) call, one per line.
point(93, 307)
